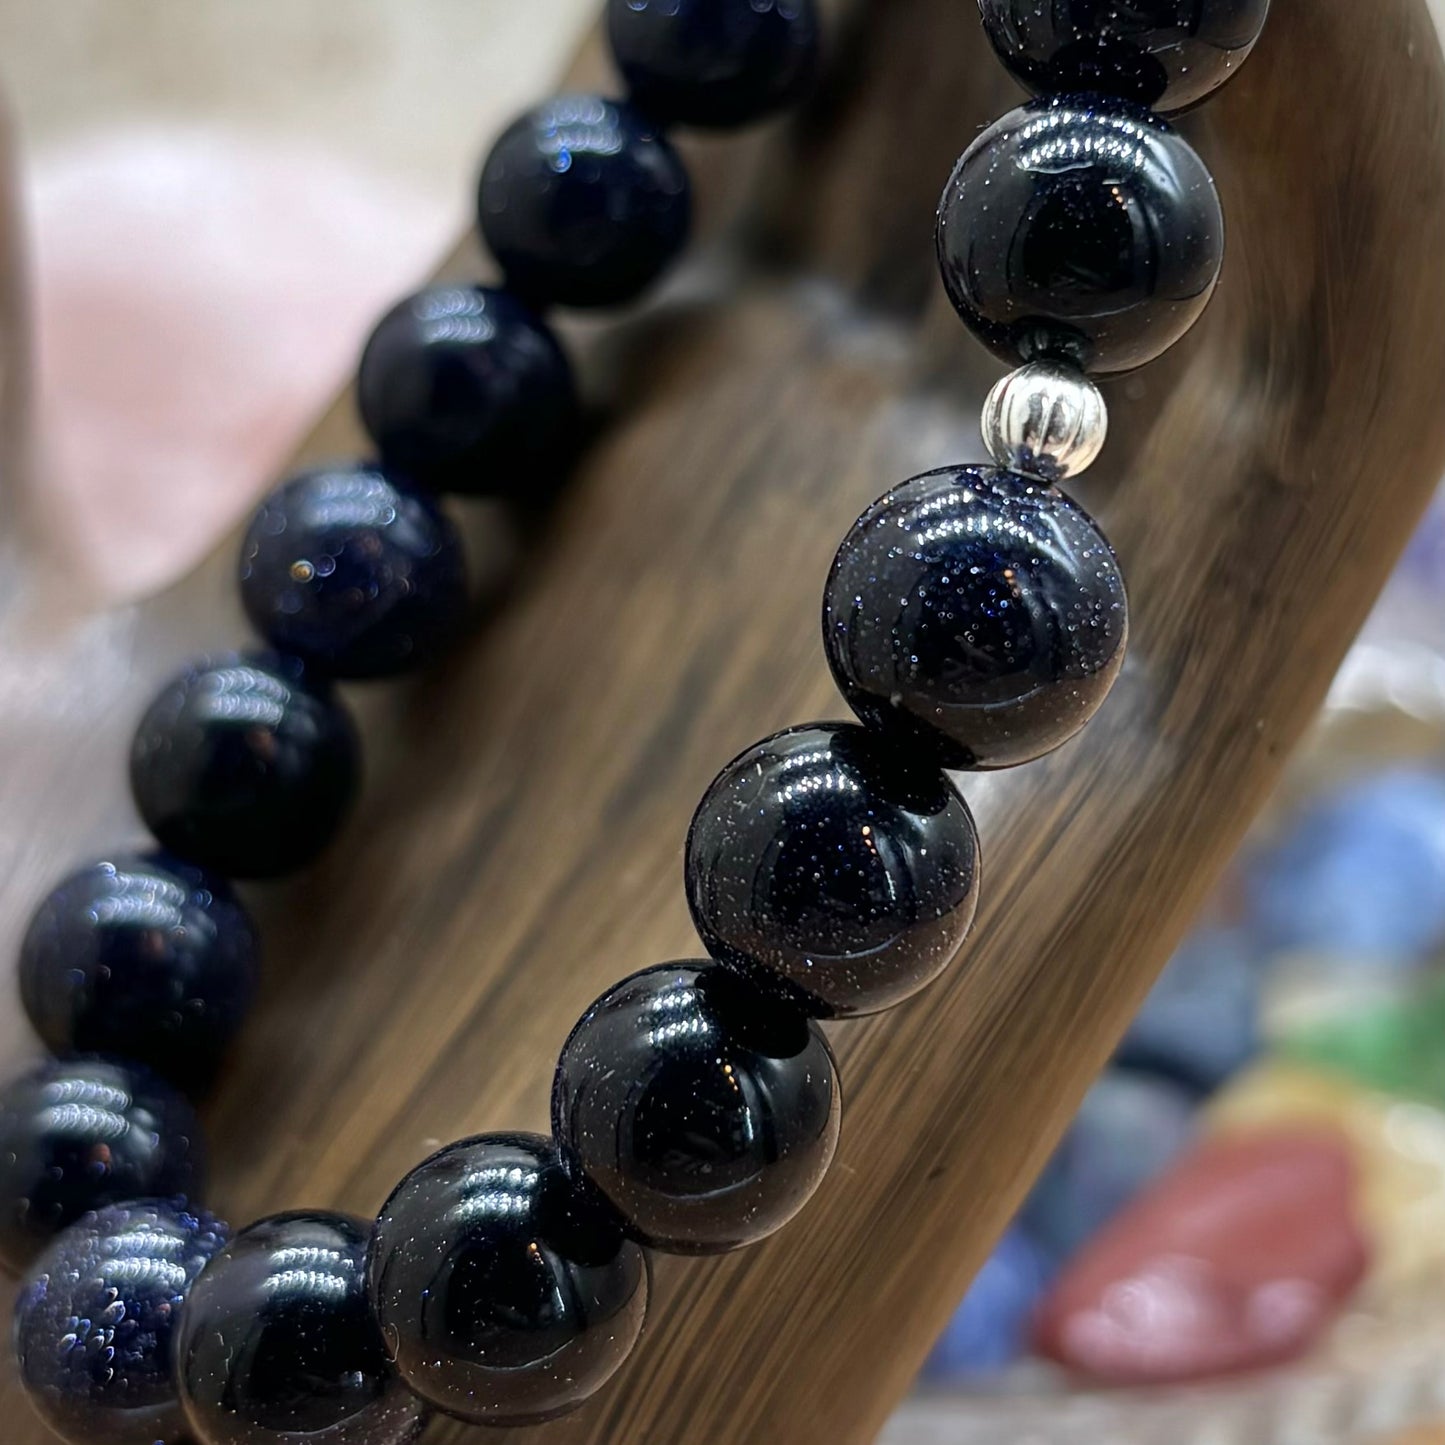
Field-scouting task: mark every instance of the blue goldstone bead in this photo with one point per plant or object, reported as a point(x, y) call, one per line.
point(1081, 229)
point(1129, 1130)
point(355, 572)
point(246, 764)
point(78, 1134)
point(1201, 1021)
point(989, 1330)
point(705, 1110)
point(278, 1343)
point(465, 389)
point(828, 862)
point(976, 613)
point(714, 62)
point(1166, 54)
point(145, 957)
point(583, 202)
point(506, 1289)
point(1360, 873)
point(97, 1316)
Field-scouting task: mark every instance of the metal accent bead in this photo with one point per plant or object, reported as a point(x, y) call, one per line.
point(1045, 420)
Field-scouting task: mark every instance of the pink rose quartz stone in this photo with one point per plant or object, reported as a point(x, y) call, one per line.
point(1236, 1259)
point(200, 297)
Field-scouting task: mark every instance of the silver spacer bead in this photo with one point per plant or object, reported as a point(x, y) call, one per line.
point(1045, 420)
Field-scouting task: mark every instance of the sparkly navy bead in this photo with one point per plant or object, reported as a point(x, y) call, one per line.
point(507, 1291)
point(835, 863)
point(706, 1110)
point(145, 957)
point(1166, 54)
point(466, 390)
point(976, 613)
point(246, 765)
point(355, 572)
point(278, 1344)
point(1080, 229)
point(714, 62)
point(583, 202)
point(78, 1134)
point(97, 1315)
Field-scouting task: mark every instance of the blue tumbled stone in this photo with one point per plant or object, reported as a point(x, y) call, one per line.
point(1130, 1128)
point(989, 1331)
point(1359, 873)
point(1201, 1023)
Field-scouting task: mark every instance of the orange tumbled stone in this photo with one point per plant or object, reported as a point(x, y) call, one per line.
point(1235, 1259)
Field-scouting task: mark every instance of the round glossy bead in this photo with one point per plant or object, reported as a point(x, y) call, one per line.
point(978, 614)
point(506, 1291)
point(354, 572)
point(278, 1344)
point(466, 389)
point(1166, 54)
point(1045, 420)
point(78, 1134)
point(246, 765)
point(707, 1111)
point(583, 202)
point(96, 1317)
point(148, 958)
point(828, 859)
point(714, 62)
point(1080, 229)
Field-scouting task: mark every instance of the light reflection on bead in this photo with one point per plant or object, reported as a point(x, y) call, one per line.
point(1166, 54)
point(147, 958)
point(96, 1317)
point(714, 62)
point(705, 1110)
point(583, 202)
point(247, 765)
point(1045, 420)
point(505, 1288)
point(1083, 229)
point(355, 572)
point(278, 1344)
point(79, 1134)
point(831, 865)
point(977, 614)
point(464, 388)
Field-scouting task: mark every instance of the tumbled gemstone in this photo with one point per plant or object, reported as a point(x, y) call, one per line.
point(1236, 1259)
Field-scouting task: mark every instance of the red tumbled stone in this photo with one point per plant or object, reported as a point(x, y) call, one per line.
point(1235, 1259)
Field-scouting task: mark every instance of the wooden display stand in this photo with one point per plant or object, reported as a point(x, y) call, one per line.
point(520, 843)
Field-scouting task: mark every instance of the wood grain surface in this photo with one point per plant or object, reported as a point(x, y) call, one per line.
point(519, 845)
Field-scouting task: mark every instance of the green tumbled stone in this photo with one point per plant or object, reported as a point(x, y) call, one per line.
point(1393, 1046)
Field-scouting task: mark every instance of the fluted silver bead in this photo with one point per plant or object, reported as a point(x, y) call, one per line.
point(1045, 420)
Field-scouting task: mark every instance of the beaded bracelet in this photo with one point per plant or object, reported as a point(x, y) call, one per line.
point(974, 618)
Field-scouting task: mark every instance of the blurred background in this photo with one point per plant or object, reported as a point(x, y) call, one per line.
point(218, 199)
point(238, 190)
